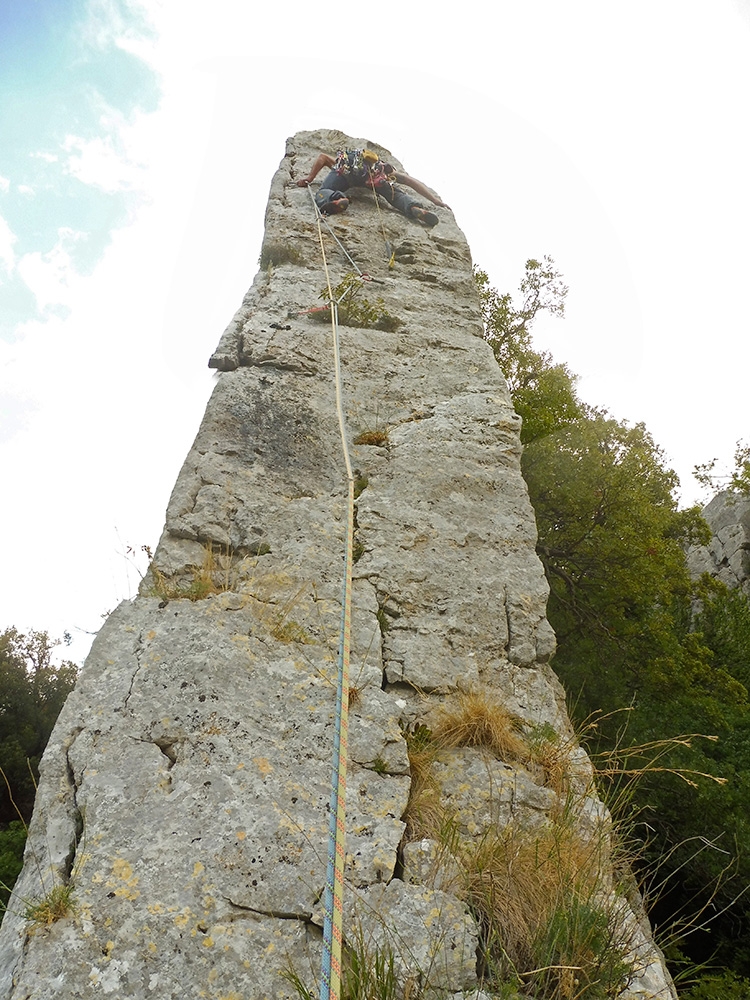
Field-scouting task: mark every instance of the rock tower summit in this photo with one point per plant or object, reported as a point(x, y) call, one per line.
point(184, 793)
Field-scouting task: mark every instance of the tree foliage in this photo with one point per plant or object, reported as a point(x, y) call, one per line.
point(737, 479)
point(543, 391)
point(32, 692)
point(612, 540)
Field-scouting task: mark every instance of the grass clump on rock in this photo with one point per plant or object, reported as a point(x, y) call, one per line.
point(53, 906)
point(354, 309)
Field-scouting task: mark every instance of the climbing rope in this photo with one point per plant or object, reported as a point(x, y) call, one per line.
point(333, 896)
point(320, 217)
point(391, 253)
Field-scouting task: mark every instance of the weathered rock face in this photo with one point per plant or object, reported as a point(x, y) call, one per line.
point(185, 790)
point(727, 555)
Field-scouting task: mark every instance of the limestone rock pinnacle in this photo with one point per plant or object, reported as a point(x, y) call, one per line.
point(185, 789)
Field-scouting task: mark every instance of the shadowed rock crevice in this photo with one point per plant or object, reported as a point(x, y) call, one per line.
point(305, 917)
point(75, 816)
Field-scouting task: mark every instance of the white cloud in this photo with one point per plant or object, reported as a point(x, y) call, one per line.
point(7, 239)
point(26, 189)
point(4, 184)
point(98, 162)
point(106, 26)
point(51, 276)
point(47, 157)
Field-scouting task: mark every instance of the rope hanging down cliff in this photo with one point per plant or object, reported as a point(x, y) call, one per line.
point(330, 983)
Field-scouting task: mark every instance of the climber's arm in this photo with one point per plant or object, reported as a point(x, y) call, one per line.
point(419, 187)
point(324, 160)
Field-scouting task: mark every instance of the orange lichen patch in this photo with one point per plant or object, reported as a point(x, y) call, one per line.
point(183, 919)
point(122, 871)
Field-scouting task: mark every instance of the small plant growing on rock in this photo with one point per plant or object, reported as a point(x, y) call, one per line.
point(378, 438)
point(379, 765)
point(424, 814)
point(553, 754)
point(475, 719)
point(288, 630)
point(369, 974)
point(356, 310)
point(274, 253)
point(361, 483)
point(54, 905)
point(55, 902)
point(383, 620)
point(218, 573)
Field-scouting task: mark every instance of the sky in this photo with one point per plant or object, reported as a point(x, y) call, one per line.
point(138, 139)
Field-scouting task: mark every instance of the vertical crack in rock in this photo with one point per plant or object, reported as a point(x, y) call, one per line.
point(508, 623)
point(67, 867)
point(137, 653)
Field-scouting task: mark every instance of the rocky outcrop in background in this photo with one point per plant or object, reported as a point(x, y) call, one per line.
point(727, 555)
point(184, 792)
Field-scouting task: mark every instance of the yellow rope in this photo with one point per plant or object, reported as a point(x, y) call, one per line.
point(392, 253)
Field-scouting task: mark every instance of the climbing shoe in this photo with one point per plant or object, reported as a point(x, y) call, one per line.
point(423, 216)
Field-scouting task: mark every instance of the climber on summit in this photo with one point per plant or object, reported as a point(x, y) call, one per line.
point(363, 168)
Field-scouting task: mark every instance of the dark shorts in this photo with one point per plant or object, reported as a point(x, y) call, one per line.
point(336, 182)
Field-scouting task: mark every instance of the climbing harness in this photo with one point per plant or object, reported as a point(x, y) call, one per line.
point(333, 896)
point(370, 170)
point(364, 165)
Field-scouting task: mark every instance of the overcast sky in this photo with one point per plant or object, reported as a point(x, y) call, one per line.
point(138, 141)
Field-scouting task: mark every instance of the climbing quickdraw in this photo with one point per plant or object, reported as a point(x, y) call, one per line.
point(367, 167)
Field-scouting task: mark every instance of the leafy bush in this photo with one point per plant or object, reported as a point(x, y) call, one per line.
point(723, 986)
point(612, 541)
point(12, 842)
point(32, 691)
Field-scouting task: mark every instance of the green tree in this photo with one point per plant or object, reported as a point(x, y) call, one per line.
point(738, 479)
point(611, 536)
point(612, 541)
point(32, 692)
point(12, 841)
point(724, 622)
point(543, 392)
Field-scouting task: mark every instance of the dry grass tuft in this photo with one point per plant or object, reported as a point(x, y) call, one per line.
point(546, 915)
point(55, 905)
point(423, 814)
point(376, 438)
point(475, 719)
point(553, 754)
point(217, 574)
point(288, 630)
